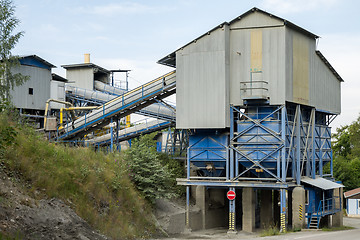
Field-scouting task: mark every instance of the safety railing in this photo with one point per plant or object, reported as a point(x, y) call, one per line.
point(122, 103)
point(256, 89)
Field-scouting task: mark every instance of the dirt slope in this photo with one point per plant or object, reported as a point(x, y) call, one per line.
point(28, 218)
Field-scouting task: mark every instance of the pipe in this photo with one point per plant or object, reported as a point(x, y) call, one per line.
point(128, 123)
point(72, 109)
point(47, 108)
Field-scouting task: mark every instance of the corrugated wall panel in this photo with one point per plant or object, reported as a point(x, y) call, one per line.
point(301, 65)
point(256, 20)
point(269, 61)
point(274, 62)
point(57, 92)
point(202, 98)
point(82, 77)
point(239, 63)
point(40, 83)
point(325, 92)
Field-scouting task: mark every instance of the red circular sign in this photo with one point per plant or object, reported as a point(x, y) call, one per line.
point(231, 195)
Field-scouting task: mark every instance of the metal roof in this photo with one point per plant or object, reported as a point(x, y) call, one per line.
point(170, 60)
point(85, 65)
point(322, 183)
point(329, 65)
point(56, 77)
point(39, 59)
point(352, 193)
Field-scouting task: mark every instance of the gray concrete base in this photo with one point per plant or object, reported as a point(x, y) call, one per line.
point(248, 203)
point(266, 209)
point(298, 201)
point(337, 218)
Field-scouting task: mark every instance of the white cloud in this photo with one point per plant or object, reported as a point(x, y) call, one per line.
point(295, 6)
point(123, 8)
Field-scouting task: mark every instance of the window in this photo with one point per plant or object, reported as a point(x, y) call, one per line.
point(31, 91)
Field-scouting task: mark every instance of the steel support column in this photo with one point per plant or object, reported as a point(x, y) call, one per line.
point(232, 213)
point(298, 145)
point(111, 136)
point(187, 216)
point(283, 210)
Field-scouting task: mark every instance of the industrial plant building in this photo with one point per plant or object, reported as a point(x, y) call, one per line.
point(254, 102)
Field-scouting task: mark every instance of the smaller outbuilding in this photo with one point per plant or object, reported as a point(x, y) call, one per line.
point(353, 202)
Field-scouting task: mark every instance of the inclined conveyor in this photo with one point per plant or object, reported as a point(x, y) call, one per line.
point(121, 106)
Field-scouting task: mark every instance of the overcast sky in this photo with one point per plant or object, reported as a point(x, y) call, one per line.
point(135, 34)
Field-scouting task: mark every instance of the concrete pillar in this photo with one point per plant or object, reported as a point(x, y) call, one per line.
point(248, 204)
point(200, 198)
point(266, 213)
point(325, 222)
point(276, 206)
point(337, 218)
point(298, 208)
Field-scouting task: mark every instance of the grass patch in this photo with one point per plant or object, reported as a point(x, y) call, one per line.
point(337, 228)
point(96, 185)
point(271, 231)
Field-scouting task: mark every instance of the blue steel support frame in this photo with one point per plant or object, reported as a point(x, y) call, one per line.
point(255, 123)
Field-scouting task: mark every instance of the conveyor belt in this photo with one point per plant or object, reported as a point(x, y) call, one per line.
point(121, 106)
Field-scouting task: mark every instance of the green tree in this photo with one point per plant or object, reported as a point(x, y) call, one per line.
point(346, 154)
point(8, 40)
point(151, 177)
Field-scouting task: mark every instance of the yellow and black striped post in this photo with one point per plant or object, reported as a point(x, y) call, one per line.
point(231, 221)
point(283, 222)
point(301, 212)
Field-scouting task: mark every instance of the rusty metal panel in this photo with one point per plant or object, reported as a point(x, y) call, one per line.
point(300, 68)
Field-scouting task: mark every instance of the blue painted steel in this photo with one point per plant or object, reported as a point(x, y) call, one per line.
point(208, 153)
point(31, 61)
point(124, 109)
point(108, 115)
point(159, 146)
point(134, 134)
point(297, 160)
point(321, 203)
point(232, 212)
point(258, 142)
point(280, 142)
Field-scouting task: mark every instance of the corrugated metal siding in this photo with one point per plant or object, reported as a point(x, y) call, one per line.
point(82, 77)
point(57, 91)
point(311, 83)
point(40, 83)
point(239, 63)
point(325, 91)
point(202, 97)
point(256, 20)
point(271, 64)
point(274, 62)
point(301, 64)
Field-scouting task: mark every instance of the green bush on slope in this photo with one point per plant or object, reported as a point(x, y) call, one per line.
point(96, 185)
